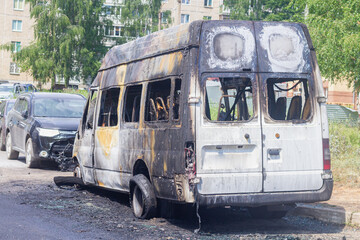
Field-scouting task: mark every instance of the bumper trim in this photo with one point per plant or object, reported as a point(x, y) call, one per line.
point(271, 198)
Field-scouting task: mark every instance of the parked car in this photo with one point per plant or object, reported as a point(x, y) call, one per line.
point(5, 107)
point(29, 87)
point(11, 90)
point(43, 126)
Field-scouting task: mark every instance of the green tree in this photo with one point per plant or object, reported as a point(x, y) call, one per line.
point(68, 40)
point(335, 30)
point(140, 17)
point(268, 10)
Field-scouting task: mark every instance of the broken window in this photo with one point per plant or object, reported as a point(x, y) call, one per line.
point(132, 103)
point(176, 99)
point(90, 110)
point(108, 115)
point(158, 101)
point(288, 99)
point(228, 99)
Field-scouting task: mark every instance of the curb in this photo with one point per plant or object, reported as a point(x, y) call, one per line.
point(336, 214)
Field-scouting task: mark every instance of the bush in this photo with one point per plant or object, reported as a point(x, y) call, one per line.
point(345, 153)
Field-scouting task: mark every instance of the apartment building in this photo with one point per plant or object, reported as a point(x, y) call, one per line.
point(16, 28)
point(185, 11)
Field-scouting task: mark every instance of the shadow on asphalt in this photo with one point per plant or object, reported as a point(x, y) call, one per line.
point(230, 220)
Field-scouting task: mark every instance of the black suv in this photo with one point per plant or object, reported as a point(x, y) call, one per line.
point(43, 125)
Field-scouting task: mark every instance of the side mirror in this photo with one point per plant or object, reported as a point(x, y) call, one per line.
point(24, 114)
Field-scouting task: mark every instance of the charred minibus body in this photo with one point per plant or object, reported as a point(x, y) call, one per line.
point(213, 112)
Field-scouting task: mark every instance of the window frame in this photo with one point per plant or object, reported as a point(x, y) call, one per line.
point(253, 81)
point(208, 3)
point(17, 71)
point(310, 96)
point(18, 5)
point(16, 23)
point(101, 102)
point(124, 102)
point(186, 2)
point(188, 18)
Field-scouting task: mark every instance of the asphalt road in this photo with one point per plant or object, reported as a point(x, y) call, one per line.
point(32, 207)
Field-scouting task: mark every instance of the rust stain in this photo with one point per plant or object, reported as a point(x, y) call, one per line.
point(101, 184)
point(108, 138)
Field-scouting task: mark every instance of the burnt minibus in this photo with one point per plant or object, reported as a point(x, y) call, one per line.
point(214, 113)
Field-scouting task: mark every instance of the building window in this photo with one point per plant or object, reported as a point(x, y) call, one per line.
point(14, 68)
point(187, 2)
point(208, 3)
point(207, 18)
point(113, 31)
point(15, 47)
point(17, 25)
point(18, 4)
point(185, 18)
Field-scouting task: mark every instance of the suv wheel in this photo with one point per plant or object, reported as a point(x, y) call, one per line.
point(29, 156)
point(11, 154)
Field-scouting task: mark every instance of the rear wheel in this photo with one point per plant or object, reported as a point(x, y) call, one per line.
point(30, 160)
point(142, 197)
point(11, 154)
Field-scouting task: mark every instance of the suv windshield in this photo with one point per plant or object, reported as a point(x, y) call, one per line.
point(58, 108)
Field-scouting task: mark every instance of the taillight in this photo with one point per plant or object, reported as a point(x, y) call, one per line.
point(326, 154)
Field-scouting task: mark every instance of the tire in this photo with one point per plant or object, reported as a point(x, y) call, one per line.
point(30, 161)
point(2, 142)
point(264, 213)
point(11, 154)
point(142, 197)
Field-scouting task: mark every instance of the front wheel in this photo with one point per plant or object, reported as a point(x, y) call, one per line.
point(142, 197)
point(11, 154)
point(30, 160)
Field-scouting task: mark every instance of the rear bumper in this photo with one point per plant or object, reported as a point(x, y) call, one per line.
point(273, 198)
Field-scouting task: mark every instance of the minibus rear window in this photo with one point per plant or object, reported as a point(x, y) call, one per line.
point(228, 99)
point(288, 99)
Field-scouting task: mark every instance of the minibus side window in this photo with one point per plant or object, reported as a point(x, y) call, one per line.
point(89, 118)
point(132, 103)
point(288, 99)
point(176, 100)
point(158, 101)
point(109, 107)
point(228, 99)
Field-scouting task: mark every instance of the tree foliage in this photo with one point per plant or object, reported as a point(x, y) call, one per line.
point(140, 17)
point(334, 27)
point(335, 30)
point(68, 40)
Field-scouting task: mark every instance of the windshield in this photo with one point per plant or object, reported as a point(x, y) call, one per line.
point(59, 108)
point(6, 88)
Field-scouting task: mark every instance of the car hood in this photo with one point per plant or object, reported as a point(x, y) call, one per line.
point(5, 95)
point(70, 124)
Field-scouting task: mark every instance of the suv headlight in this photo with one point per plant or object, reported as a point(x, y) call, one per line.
point(43, 132)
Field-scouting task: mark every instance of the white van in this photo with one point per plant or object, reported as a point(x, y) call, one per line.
point(217, 113)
